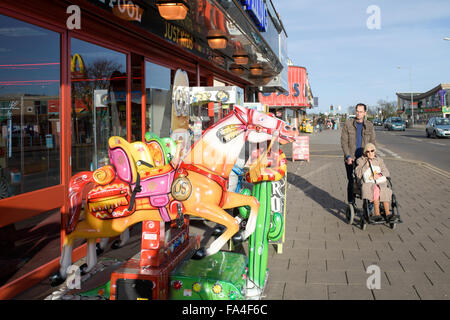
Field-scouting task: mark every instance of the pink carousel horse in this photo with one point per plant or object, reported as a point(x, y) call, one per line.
point(132, 189)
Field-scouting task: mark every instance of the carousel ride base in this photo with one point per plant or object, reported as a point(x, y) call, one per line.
point(221, 276)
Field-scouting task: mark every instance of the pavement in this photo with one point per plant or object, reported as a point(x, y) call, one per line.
point(325, 258)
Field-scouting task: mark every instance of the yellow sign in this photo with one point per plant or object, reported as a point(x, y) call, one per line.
point(73, 64)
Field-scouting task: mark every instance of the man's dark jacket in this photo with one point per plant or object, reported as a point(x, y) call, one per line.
point(348, 136)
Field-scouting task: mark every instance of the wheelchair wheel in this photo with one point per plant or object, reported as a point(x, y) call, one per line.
point(350, 214)
point(363, 223)
point(394, 209)
point(365, 215)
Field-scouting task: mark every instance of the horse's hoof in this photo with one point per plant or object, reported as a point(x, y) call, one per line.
point(115, 245)
point(98, 249)
point(56, 280)
point(83, 269)
point(238, 238)
point(218, 230)
point(199, 254)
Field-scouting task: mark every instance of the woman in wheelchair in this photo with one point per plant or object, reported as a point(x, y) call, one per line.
point(373, 174)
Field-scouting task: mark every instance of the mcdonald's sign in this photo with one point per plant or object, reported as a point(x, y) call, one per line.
point(77, 66)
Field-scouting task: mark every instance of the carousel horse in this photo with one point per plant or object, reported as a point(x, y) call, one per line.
point(162, 152)
point(132, 189)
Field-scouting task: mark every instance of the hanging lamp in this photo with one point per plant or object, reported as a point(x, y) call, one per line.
point(217, 39)
point(256, 70)
point(172, 9)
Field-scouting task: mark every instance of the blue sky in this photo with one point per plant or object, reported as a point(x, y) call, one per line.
point(347, 62)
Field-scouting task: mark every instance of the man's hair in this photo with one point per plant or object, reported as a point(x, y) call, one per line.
point(361, 104)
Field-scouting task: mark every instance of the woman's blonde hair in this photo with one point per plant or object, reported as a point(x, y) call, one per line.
point(369, 146)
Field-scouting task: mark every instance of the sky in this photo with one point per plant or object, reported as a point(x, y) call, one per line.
point(351, 56)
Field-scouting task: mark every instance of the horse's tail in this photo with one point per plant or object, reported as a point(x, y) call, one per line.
point(79, 185)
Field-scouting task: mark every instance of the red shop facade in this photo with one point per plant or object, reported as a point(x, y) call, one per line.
point(74, 73)
point(298, 99)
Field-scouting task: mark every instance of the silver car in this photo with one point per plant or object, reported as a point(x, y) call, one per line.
point(438, 127)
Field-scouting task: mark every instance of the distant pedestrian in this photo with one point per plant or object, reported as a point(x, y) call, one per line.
point(355, 134)
point(373, 173)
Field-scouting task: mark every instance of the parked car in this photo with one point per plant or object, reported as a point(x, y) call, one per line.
point(377, 122)
point(438, 127)
point(395, 123)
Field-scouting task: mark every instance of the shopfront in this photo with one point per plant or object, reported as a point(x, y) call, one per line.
point(291, 106)
point(433, 103)
point(69, 81)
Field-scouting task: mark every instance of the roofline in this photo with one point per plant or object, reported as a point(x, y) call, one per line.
point(419, 95)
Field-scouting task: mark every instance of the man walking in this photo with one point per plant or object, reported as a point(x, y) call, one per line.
point(355, 134)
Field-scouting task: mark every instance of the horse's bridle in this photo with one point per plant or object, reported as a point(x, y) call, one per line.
point(249, 125)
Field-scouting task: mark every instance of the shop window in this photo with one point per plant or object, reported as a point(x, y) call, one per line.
point(29, 107)
point(158, 92)
point(136, 97)
point(99, 91)
point(28, 244)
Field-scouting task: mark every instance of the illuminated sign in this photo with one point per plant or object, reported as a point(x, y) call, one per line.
point(77, 60)
point(257, 11)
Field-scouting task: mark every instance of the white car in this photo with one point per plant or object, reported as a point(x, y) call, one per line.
point(438, 127)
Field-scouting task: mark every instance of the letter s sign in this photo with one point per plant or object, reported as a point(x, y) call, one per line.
point(296, 90)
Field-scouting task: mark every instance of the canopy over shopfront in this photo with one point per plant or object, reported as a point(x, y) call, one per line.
point(291, 105)
point(299, 95)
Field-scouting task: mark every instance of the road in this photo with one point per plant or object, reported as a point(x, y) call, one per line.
point(413, 144)
point(409, 145)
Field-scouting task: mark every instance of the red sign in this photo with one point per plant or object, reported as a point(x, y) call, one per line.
point(297, 97)
point(300, 148)
point(53, 106)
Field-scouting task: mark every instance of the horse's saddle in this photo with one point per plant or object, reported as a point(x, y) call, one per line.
point(135, 166)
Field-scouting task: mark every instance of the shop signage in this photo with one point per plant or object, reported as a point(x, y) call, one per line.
point(258, 106)
point(180, 101)
point(295, 97)
point(300, 148)
point(257, 11)
point(224, 95)
point(445, 109)
point(278, 200)
point(179, 35)
point(125, 9)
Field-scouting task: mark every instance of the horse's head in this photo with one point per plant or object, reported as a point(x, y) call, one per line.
point(262, 127)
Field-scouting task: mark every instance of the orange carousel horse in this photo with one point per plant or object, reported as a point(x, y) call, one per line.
point(136, 188)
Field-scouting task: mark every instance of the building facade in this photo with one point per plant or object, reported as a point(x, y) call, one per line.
point(74, 73)
point(291, 106)
point(433, 103)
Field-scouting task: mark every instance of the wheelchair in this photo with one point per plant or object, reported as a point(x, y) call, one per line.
point(365, 216)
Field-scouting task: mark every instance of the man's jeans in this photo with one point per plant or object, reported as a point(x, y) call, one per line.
point(349, 169)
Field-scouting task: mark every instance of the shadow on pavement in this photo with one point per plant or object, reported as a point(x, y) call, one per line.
point(332, 205)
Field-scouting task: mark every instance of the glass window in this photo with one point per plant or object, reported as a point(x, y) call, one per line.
point(26, 245)
point(136, 97)
point(158, 91)
point(29, 107)
point(99, 82)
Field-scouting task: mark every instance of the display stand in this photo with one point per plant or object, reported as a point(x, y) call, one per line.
point(300, 148)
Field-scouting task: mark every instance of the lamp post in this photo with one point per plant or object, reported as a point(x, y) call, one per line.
point(447, 38)
point(412, 99)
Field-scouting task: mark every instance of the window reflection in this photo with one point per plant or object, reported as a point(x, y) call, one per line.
point(136, 97)
point(29, 107)
point(158, 91)
point(98, 103)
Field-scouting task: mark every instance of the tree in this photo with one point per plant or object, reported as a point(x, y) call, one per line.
point(388, 108)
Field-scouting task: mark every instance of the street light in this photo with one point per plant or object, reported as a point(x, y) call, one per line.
point(410, 84)
point(446, 38)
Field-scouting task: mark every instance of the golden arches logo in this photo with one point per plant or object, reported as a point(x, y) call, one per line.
point(77, 59)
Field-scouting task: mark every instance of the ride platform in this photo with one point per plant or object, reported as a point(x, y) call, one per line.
point(221, 276)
